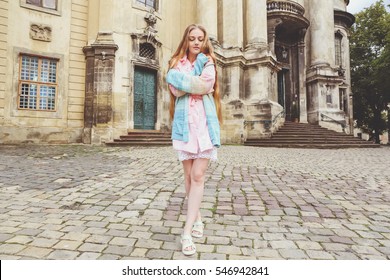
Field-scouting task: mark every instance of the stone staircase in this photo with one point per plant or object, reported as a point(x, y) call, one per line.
point(303, 135)
point(143, 138)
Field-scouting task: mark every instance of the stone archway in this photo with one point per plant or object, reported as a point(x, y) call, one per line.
point(287, 28)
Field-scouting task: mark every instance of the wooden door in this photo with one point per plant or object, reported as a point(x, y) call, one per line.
point(144, 98)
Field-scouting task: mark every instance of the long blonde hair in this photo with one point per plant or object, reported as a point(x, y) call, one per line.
point(207, 49)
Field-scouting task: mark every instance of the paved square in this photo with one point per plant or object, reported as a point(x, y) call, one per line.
point(96, 202)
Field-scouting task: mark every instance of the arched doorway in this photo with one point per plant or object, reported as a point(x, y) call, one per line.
point(287, 28)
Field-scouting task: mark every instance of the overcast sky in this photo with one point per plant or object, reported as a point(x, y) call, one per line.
point(356, 6)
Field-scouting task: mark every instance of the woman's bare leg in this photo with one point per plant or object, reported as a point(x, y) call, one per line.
point(195, 194)
point(187, 166)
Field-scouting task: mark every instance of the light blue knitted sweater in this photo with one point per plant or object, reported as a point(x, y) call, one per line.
point(189, 84)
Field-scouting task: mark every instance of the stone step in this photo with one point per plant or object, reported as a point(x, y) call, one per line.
point(313, 135)
point(313, 145)
point(145, 136)
point(138, 137)
point(138, 143)
point(305, 140)
point(302, 135)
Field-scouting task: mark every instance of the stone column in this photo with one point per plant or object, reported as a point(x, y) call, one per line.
point(321, 78)
point(207, 11)
point(302, 80)
point(347, 67)
point(232, 29)
point(100, 66)
point(256, 23)
point(106, 16)
point(322, 33)
point(100, 18)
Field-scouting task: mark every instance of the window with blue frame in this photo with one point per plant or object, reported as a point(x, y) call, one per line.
point(148, 3)
point(48, 4)
point(37, 83)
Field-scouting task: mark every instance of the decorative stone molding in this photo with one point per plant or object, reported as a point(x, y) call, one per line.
point(344, 19)
point(104, 38)
point(150, 29)
point(40, 32)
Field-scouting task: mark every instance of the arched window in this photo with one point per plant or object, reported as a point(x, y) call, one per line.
point(338, 47)
point(147, 50)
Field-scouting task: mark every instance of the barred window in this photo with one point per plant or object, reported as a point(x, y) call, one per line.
point(343, 100)
point(338, 46)
point(48, 4)
point(149, 3)
point(329, 98)
point(37, 83)
point(147, 50)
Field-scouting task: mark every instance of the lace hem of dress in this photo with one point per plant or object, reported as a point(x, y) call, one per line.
point(210, 154)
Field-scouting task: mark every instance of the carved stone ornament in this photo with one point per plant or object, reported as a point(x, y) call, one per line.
point(150, 29)
point(40, 32)
point(150, 18)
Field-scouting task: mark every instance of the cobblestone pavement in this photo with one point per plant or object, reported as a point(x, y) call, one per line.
point(89, 202)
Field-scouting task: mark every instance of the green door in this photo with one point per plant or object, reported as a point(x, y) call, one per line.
point(144, 98)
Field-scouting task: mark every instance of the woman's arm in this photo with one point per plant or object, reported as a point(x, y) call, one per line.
point(176, 92)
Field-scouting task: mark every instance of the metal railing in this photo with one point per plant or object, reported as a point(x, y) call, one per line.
point(267, 123)
point(342, 123)
point(281, 114)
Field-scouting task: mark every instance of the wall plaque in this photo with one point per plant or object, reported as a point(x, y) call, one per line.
point(40, 32)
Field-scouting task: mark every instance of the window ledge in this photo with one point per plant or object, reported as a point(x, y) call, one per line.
point(140, 7)
point(40, 9)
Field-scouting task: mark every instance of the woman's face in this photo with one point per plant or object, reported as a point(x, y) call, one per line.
point(195, 42)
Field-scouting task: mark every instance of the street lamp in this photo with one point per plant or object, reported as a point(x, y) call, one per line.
point(284, 53)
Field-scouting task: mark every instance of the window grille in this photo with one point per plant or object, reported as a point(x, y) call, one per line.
point(48, 4)
point(147, 50)
point(148, 3)
point(37, 83)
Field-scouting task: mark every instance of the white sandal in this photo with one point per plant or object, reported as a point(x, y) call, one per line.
point(197, 229)
point(188, 247)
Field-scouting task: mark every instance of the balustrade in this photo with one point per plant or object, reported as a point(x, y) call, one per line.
point(284, 6)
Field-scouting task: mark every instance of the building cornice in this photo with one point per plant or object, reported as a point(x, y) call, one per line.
point(344, 18)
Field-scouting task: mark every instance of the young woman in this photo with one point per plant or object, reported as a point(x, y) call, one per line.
point(196, 112)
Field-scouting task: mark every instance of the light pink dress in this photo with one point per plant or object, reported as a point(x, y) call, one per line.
point(199, 144)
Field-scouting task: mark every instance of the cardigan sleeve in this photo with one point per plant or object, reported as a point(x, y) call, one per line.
point(176, 92)
point(202, 84)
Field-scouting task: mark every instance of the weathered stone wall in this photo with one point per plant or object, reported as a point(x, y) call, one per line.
point(4, 14)
point(58, 34)
point(97, 44)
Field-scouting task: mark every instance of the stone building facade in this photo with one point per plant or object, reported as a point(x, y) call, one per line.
point(91, 70)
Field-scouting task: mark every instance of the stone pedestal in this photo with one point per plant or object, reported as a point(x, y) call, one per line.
point(100, 64)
